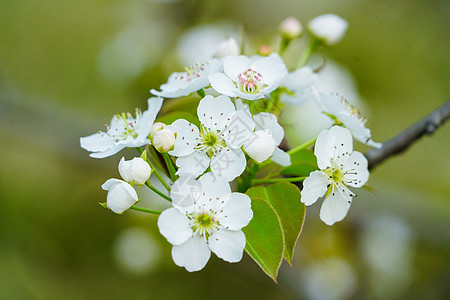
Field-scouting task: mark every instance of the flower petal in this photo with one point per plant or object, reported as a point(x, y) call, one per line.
point(228, 163)
point(109, 152)
point(314, 187)
point(187, 135)
point(239, 129)
point(356, 168)
point(97, 142)
point(299, 79)
point(280, 157)
point(228, 245)
point(335, 207)
point(192, 255)
point(269, 121)
point(223, 84)
point(237, 212)
point(214, 187)
point(332, 144)
point(272, 69)
point(215, 113)
point(174, 226)
point(185, 192)
point(233, 65)
point(195, 163)
point(149, 116)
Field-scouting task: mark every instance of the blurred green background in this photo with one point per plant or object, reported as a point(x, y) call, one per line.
point(67, 66)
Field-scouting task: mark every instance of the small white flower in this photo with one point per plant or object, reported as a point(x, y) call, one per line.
point(299, 85)
point(228, 47)
point(121, 195)
point(340, 167)
point(329, 28)
point(206, 216)
point(345, 113)
point(156, 127)
point(164, 140)
point(123, 131)
point(249, 79)
point(191, 80)
point(136, 170)
point(290, 28)
point(261, 146)
point(217, 144)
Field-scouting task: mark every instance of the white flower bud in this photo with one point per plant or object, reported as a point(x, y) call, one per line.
point(136, 170)
point(291, 28)
point(164, 140)
point(121, 195)
point(228, 47)
point(261, 147)
point(329, 28)
point(155, 128)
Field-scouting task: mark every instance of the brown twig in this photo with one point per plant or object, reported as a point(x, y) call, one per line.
point(406, 138)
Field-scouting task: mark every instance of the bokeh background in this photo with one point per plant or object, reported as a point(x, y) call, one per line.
point(67, 66)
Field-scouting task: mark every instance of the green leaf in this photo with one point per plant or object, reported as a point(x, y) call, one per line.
point(171, 117)
point(303, 163)
point(285, 199)
point(264, 235)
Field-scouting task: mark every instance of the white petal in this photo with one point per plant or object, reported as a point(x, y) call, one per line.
point(280, 157)
point(149, 116)
point(356, 168)
point(228, 163)
point(299, 79)
point(187, 135)
point(214, 113)
point(330, 103)
point(269, 121)
point(272, 69)
point(239, 130)
point(261, 146)
point(237, 212)
point(332, 143)
point(335, 207)
point(223, 84)
point(185, 192)
point(195, 163)
point(233, 65)
point(314, 187)
point(97, 142)
point(214, 187)
point(109, 152)
point(228, 245)
point(174, 226)
point(121, 195)
point(192, 255)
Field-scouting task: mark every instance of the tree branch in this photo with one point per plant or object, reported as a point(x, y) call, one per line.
point(406, 138)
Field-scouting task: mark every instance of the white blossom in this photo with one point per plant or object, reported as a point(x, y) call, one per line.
point(121, 195)
point(340, 167)
point(329, 28)
point(155, 128)
point(206, 216)
point(247, 78)
point(164, 140)
point(136, 170)
point(261, 146)
point(290, 28)
point(123, 131)
point(343, 112)
point(299, 86)
point(191, 80)
point(217, 144)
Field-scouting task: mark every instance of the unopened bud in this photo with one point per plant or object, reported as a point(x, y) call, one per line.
point(121, 195)
point(164, 140)
point(136, 170)
point(265, 50)
point(228, 47)
point(328, 28)
point(261, 147)
point(155, 128)
point(290, 28)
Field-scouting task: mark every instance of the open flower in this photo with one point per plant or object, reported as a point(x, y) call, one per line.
point(191, 80)
point(340, 167)
point(299, 86)
point(247, 78)
point(217, 144)
point(121, 195)
point(123, 131)
point(206, 216)
point(344, 113)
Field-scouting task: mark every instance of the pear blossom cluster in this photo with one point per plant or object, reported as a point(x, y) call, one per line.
point(235, 130)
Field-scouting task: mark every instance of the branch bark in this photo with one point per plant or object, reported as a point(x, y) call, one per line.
point(406, 138)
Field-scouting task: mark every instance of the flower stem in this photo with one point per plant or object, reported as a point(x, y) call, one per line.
point(155, 212)
point(251, 173)
point(170, 167)
point(147, 183)
point(275, 180)
point(201, 93)
point(306, 54)
point(302, 146)
point(156, 172)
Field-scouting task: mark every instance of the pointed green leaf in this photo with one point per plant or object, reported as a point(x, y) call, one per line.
point(285, 199)
point(264, 235)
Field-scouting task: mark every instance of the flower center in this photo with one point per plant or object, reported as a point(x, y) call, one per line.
point(250, 82)
point(192, 72)
point(126, 126)
point(204, 223)
point(210, 142)
point(352, 110)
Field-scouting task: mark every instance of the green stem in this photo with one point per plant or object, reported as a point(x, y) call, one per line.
point(251, 173)
point(283, 45)
point(155, 212)
point(275, 180)
point(302, 146)
point(147, 183)
point(306, 54)
point(156, 172)
point(170, 167)
point(201, 93)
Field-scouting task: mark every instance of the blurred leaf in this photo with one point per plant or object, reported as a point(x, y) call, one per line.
point(264, 235)
point(303, 163)
point(285, 199)
point(171, 117)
